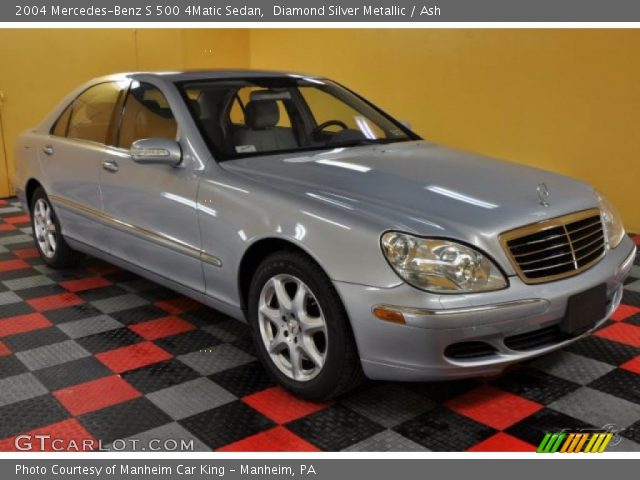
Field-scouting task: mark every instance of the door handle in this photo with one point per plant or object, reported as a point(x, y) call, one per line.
point(110, 165)
point(48, 150)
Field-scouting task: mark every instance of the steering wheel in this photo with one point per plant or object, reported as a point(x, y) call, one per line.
point(327, 124)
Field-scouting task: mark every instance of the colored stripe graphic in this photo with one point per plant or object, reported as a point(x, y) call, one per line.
point(551, 442)
point(574, 442)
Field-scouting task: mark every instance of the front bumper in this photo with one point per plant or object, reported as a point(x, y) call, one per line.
point(418, 350)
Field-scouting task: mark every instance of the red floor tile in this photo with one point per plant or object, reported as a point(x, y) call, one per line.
point(623, 312)
point(4, 350)
point(22, 323)
point(26, 252)
point(502, 442)
point(632, 365)
point(280, 406)
point(85, 284)
point(67, 435)
point(6, 227)
point(162, 327)
point(494, 407)
point(9, 265)
point(277, 439)
point(52, 302)
point(133, 356)
point(621, 332)
point(95, 395)
point(17, 219)
point(176, 306)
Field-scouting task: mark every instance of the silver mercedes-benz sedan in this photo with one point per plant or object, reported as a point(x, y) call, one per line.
point(350, 245)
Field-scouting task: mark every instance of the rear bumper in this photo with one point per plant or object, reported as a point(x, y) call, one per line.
point(514, 324)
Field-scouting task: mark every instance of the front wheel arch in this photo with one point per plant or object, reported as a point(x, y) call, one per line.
point(255, 254)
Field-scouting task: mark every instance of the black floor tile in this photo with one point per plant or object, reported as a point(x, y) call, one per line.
point(35, 339)
point(604, 350)
point(160, 375)
point(72, 373)
point(620, 383)
point(334, 428)
point(533, 428)
point(138, 314)
point(443, 430)
point(535, 385)
point(109, 340)
point(101, 293)
point(38, 292)
point(226, 424)
point(124, 420)
point(29, 414)
point(70, 314)
point(244, 380)
point(10, 366)
point(187, 342)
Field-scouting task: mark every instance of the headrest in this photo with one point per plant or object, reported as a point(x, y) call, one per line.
point(260, 114)
point(195, 107)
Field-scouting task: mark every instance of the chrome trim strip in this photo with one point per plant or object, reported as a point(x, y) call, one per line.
point(460, 311)
point(155, 237)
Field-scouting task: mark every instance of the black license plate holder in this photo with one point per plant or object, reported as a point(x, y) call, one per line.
point(584, 309)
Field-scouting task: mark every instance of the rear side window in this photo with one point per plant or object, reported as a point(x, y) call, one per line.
point(146, 115)
point(60, 128)
point(93, 111)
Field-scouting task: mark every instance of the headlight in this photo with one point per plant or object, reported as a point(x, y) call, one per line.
point(613, 228)
point(440, 265)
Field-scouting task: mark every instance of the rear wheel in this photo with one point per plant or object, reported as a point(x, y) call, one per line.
point(301, 330)
point(53, 248)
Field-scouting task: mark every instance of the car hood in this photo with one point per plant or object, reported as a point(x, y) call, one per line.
point(421, 187)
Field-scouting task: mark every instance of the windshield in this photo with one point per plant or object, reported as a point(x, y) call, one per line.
point(243, 117)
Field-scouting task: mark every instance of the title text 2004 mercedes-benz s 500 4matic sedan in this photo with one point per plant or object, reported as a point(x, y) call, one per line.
point(352, 247)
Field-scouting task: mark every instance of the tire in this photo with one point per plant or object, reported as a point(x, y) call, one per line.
point(54, 250)
point(336, 368)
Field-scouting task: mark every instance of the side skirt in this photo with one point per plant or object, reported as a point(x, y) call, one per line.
point(233, 311)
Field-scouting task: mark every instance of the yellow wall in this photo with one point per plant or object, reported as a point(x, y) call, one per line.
point(39, 67)
point(565, 100)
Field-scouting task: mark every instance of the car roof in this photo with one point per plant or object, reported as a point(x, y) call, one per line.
point(185, 75)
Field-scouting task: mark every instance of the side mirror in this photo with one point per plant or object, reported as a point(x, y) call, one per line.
point(156, 150)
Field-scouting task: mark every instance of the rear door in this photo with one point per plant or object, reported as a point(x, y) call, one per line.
point(152, 207)
point(71, 158)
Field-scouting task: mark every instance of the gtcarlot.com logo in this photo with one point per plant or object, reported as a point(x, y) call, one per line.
point(45, 442)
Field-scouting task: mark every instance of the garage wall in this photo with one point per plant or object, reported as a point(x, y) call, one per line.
point(39, 67)
point(565, 100)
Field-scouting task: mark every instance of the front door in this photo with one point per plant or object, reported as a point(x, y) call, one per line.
point(152, 208)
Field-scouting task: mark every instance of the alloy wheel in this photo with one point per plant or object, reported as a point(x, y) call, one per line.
point(292, 327)
point(44, 228)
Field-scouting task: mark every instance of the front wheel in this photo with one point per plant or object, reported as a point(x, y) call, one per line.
point(300, 328)
point(53, 248)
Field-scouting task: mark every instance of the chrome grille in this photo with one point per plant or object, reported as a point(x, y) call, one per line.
point(556, 248)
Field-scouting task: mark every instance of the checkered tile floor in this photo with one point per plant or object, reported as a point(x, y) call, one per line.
point(99, 353)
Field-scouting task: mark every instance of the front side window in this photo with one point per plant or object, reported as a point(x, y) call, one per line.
point(242, 117)
point(146, 115)
point(92, 113)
